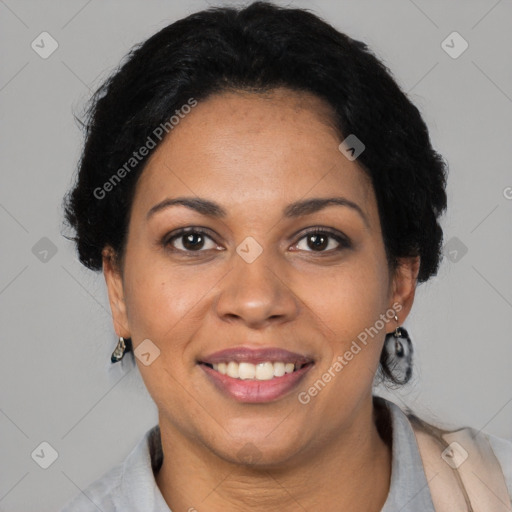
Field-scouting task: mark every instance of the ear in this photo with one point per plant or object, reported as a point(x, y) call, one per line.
point(403, 287)
point(114, 281)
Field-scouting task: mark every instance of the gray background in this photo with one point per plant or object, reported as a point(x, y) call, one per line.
point(56, 383)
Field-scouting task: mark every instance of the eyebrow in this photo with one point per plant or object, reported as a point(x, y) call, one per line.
point(202, 206)
point(293, 210)
point(308, 206)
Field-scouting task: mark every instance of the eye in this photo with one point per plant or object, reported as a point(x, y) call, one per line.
point(324, 240)
point(189, 240)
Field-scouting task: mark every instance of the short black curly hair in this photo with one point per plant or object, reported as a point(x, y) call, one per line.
point(259, 48)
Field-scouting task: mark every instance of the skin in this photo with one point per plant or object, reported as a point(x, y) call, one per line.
point(254, 154)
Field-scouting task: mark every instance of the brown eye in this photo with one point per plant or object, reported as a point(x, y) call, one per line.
point(189, 240)
point(318, 241)
point(192, 241)
point(322, 240)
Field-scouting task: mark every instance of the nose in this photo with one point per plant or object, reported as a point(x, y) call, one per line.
point(257, 294)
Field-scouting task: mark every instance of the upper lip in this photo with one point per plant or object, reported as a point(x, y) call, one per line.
point(255, 356)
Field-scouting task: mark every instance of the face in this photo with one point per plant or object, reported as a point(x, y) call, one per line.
point(264, 281)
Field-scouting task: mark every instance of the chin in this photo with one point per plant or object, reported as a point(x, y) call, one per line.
point(258, 452)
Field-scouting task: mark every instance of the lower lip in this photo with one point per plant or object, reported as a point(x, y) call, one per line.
point(256, 391)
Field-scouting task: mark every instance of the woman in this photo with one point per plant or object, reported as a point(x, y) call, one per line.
point(263, 199)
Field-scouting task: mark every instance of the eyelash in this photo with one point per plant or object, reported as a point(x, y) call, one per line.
point(343, 241)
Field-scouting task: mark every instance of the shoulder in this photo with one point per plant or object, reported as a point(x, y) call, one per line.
point(502, 449)
point(482, 462)
point(459, 465)
point(127, 486)
point(98, 495)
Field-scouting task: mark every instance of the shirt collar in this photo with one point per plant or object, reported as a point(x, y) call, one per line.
point(138, 489)
point(409, 491)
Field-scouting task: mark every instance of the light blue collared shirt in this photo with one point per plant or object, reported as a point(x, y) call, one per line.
point(131, 486)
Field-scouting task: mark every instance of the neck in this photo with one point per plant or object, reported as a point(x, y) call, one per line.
point(352, 472)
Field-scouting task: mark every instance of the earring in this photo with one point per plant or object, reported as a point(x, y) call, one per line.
point(398, 349)
point(123, 346)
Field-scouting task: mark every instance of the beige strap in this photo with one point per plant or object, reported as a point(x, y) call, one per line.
point(462, 471)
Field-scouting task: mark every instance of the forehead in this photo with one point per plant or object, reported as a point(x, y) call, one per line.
point(247, 149)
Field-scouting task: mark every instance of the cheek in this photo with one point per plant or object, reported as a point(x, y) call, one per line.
point(158, 301)
point(166, 302)
point(351, 297)
point(351, 304)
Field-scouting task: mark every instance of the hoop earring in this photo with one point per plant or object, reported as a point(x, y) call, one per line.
point(123, 346)
point(399, 351)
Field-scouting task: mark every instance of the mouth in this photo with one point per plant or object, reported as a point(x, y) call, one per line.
point(255, 376)
point(266, 370)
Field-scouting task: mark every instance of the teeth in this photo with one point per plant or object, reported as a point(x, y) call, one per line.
point(260, 371)
point(246, 371)
point(279, 369)
point(264, 371)
point(289, 367)
point(232, 370)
